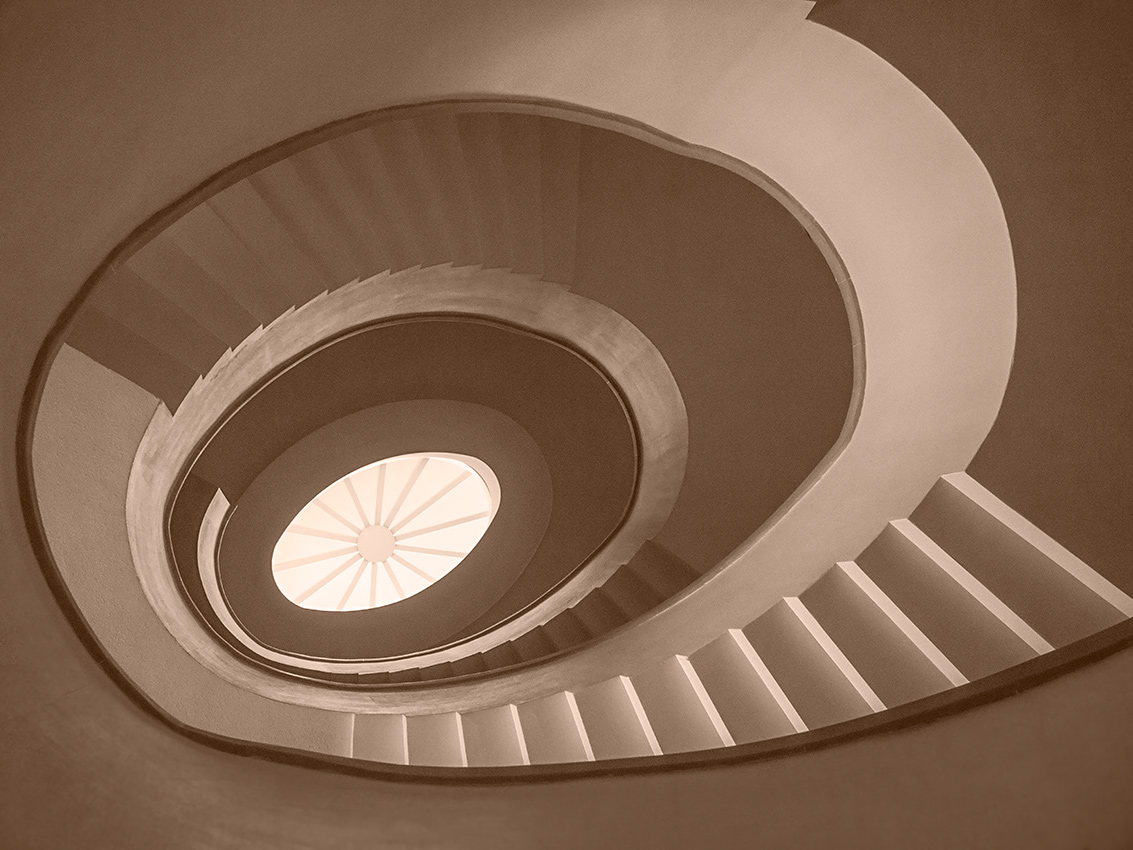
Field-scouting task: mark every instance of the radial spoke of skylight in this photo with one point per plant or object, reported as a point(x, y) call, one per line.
point(380, 492)
point(316, 532)
point(313, 559)
point(393, 579)
point(332, 512)
point(442, 525)
point(357, 502)
point(406, 490)
point(353, 584)
point(400, 547)
point(410, 566)
point(327, 579)
point(432, 500)
point(444, 500)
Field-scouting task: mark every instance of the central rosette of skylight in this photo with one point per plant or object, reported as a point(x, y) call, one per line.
point(385, 532)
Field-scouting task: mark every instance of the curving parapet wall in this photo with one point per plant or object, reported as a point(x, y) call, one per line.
point(889, 634)
point(934, 249)
point(959, 779)
point(632, 365)
point(92, 420)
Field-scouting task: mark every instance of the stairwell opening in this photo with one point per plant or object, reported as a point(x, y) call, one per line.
point(385, 531)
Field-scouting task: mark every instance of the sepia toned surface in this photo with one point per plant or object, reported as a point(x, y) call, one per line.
point(1048, 767)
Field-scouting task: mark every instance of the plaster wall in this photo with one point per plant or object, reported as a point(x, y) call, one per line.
point(1041, 91)
point(91, 421)
point(97, 132)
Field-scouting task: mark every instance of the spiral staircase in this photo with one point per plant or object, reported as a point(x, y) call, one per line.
point(884, 592)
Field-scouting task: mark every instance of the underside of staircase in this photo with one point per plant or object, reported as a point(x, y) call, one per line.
point(923, 639)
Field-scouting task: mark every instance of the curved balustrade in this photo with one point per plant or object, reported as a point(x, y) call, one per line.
point(929, 283)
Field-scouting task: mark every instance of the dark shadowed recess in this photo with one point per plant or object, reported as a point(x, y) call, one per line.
point(746, 312)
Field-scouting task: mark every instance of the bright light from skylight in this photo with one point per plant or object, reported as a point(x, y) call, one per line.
point(385, 532)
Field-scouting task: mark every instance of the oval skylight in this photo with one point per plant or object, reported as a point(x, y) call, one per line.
point(385, 532)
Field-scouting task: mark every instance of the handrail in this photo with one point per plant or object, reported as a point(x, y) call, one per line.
point(633, 364)
point(933, 251)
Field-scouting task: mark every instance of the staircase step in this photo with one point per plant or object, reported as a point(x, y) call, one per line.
point(630, 594)
point(893, 664)
point(1052, 590)
point(132, 303)
point(820, 684)
point(208, 240)
point(494, 737)
point(521, 145)
point(250, 218)
point(448, 185)
point(410, 674)
point(504, 655)
point(469, 664)
point(955, 612)
point(340, 200)
point(663, 571)
point(679, 709)
point(598, 614)
point(483, 159)
point(437, 739)
point(286, 194)
point(615, 720)
point(745, 694)
point(408, 180)
point(566, 630)
point(553, 730)
point(358, 152)
point(166, 268)
point(559, 157)
point(107, 341)
point(436, 671)
point(381, 737)
point(534, 644)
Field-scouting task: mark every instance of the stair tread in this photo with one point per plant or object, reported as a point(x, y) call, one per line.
point(559, 155)
point(972, 638)
point(287, 196)
point(521, 146)
point(402, 159)
point(480, 141)
point(165, 267)
point(109, 342)
point(448, 184)
point(1045, 595)
point(327, 181)
point(891, 663)
point(206, 238)
point(253, 221)
point(131, 302)
point(811, 680)
point(358, 152)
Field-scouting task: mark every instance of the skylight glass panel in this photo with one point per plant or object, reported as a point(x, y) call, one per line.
point(385, 532)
